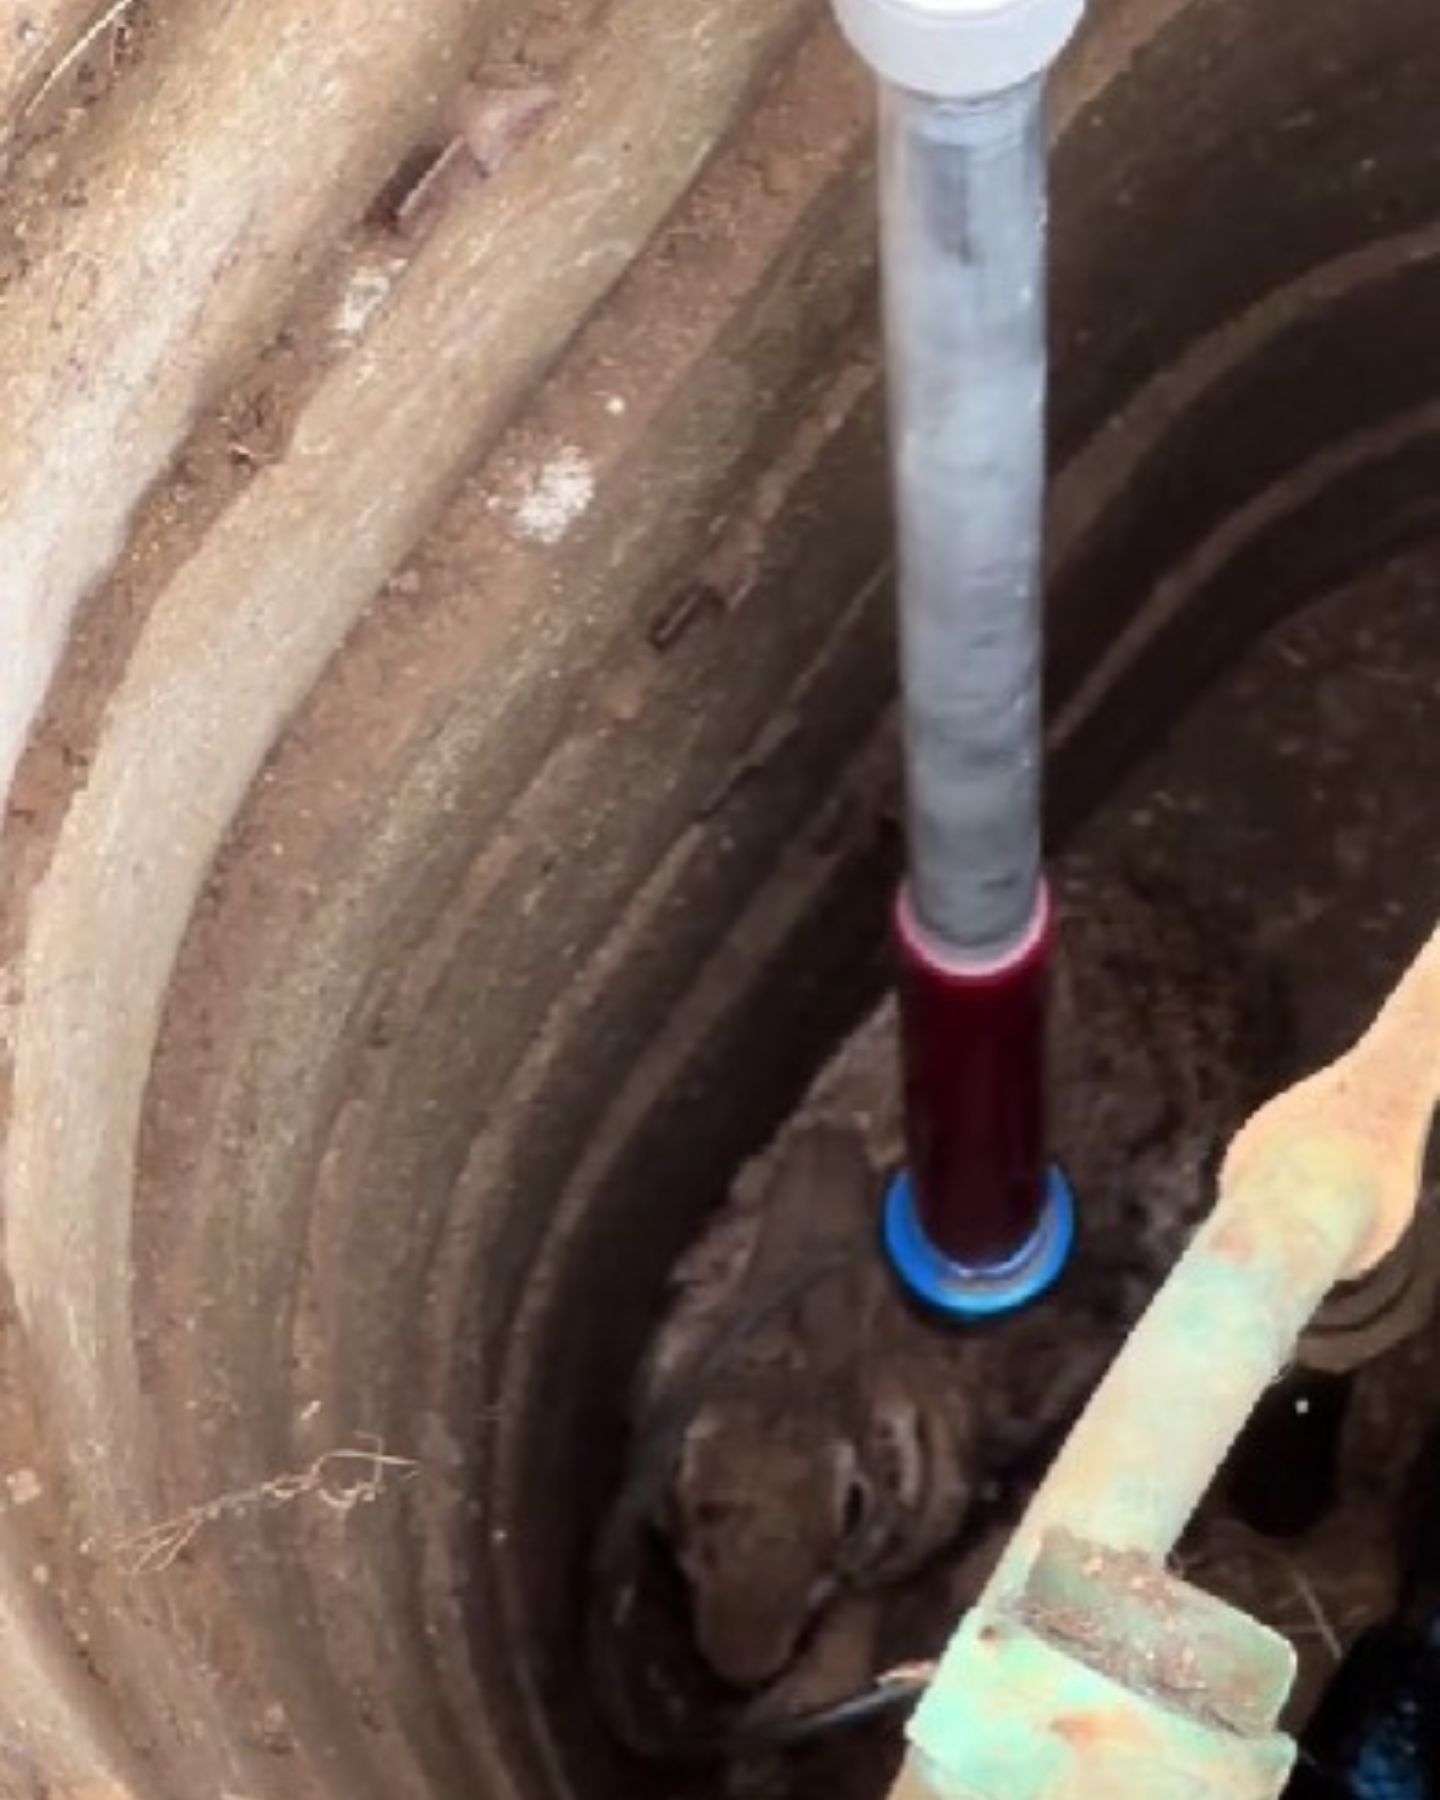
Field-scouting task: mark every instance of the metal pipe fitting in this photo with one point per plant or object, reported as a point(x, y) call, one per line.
point(973, 1047)
point(977, 1225)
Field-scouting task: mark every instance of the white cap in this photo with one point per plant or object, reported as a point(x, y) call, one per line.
point(958, 49)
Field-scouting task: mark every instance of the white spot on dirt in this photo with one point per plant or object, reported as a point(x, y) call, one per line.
point(615, 406)
point(556, 496)
point(365, 293)
point(23, 1486)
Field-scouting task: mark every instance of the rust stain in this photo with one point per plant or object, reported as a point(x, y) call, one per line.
point(1081, 1731)
point(1235, 1239)
point(1088, 1731)
point(1084, 1730)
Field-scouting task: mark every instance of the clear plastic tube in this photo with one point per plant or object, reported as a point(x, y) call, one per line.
point(963, 219)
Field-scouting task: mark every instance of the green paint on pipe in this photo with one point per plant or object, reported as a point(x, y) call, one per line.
point(1086, 1669)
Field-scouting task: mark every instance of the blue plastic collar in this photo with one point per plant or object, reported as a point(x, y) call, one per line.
point(959, 1292)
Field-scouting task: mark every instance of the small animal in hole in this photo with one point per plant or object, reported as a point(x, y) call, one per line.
point(841, 1442)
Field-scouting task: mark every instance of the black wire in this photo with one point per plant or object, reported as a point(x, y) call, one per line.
point(792, 1729)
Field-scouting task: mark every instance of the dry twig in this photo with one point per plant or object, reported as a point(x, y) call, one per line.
point(151, 1551)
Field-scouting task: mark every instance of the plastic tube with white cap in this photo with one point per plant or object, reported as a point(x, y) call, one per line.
point(977, 1225)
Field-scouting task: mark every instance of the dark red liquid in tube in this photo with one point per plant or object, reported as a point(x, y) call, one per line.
point(973, 1052)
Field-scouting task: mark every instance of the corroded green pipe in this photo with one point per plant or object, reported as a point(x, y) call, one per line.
point(1086, 1669)
point(1218, 1333)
